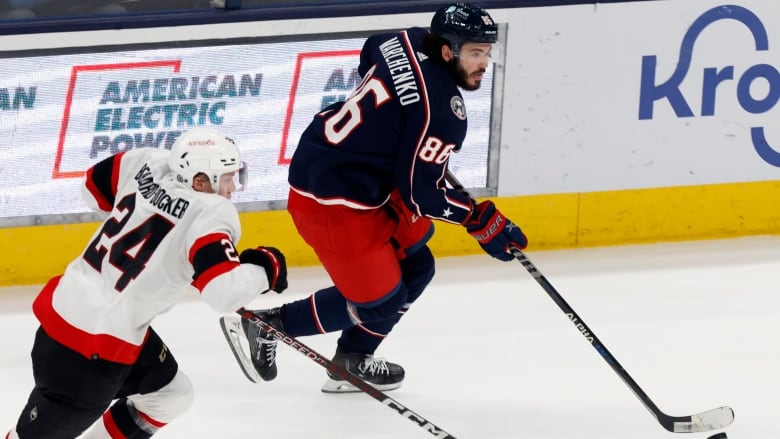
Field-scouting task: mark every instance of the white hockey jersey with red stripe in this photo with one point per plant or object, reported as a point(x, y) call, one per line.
point(161, 240)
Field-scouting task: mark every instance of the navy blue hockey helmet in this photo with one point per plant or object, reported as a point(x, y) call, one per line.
point(464, 23)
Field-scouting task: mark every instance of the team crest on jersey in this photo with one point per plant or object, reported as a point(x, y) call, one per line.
point(458, 107)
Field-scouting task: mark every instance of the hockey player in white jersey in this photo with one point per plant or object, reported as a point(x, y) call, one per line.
point(171, 228)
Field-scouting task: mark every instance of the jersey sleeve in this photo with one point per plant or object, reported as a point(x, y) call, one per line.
point(100, 183)
point(423, 185)
point(224, 283)
point(432, 132)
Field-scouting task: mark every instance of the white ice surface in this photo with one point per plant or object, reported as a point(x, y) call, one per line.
point(489, 355)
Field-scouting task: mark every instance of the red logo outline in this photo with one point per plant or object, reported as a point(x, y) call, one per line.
point(283, 160)
point(75, 70)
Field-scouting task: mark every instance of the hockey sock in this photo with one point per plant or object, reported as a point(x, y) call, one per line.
point(417, 270)
point(123, 420)
point(365, 338)
point(323, 311)
point(328, 311)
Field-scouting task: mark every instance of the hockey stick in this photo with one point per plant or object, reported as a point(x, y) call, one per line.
point(710, 420)
point(335, 369)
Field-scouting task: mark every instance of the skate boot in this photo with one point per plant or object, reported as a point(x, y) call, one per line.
point(262, 347)
point(378, 372)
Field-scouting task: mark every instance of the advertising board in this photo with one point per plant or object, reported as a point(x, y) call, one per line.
point(63, 112)
point(640, 95)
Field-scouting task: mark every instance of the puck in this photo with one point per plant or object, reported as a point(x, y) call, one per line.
point(718, 436)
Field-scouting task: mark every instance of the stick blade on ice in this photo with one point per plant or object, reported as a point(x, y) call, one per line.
point(706, 421)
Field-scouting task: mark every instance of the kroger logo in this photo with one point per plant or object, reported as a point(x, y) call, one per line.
point(650, 91)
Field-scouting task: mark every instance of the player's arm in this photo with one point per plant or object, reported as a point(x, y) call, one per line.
point(428, 141)
point(496, 233)
point(225, 279)
point(99, 186)
point(429, 196)
point(228, 281)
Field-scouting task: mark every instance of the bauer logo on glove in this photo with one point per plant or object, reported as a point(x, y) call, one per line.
point(497, 223)
point(496, 234)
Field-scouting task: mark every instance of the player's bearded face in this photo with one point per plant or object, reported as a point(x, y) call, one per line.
point(467, 80)
point(470, 65)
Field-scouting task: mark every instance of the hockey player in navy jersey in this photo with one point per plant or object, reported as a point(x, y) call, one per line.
point(367, 178)
point(171, 229)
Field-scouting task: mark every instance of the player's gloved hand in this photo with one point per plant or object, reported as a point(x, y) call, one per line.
point(495, 232)
point(274, 263)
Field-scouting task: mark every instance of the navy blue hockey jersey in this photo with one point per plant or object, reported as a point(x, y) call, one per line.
point(396, 130)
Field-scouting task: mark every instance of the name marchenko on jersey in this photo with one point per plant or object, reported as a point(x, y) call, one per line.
point(403, 76)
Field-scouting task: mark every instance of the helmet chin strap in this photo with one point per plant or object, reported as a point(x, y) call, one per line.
point(243, 175)
point(455, 46)
point(215, 186)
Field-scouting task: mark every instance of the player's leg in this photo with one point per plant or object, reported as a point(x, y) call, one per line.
point(71, 391)
point(373, 294)
point(417, 267)
point(357, 343)
point(367, 277)
point(364, 268)
point(417, 272)
point(375, 282)
point(154, 393)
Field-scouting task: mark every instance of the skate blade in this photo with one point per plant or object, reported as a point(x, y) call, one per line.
point(343, 386)
point(234, 335)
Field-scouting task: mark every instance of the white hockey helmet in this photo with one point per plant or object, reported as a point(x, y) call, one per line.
point(207, 151)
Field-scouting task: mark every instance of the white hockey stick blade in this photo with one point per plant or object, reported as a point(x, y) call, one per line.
point(239, 345)
point(714, 419)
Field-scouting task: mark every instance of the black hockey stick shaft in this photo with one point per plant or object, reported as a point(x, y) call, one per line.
point(344, 374)
point(706, 421)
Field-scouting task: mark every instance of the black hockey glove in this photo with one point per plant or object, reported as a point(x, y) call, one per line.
point(274, 263)
point(495, 232)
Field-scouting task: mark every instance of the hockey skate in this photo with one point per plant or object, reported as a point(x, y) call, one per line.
point(378, 372)
point(260, 363)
